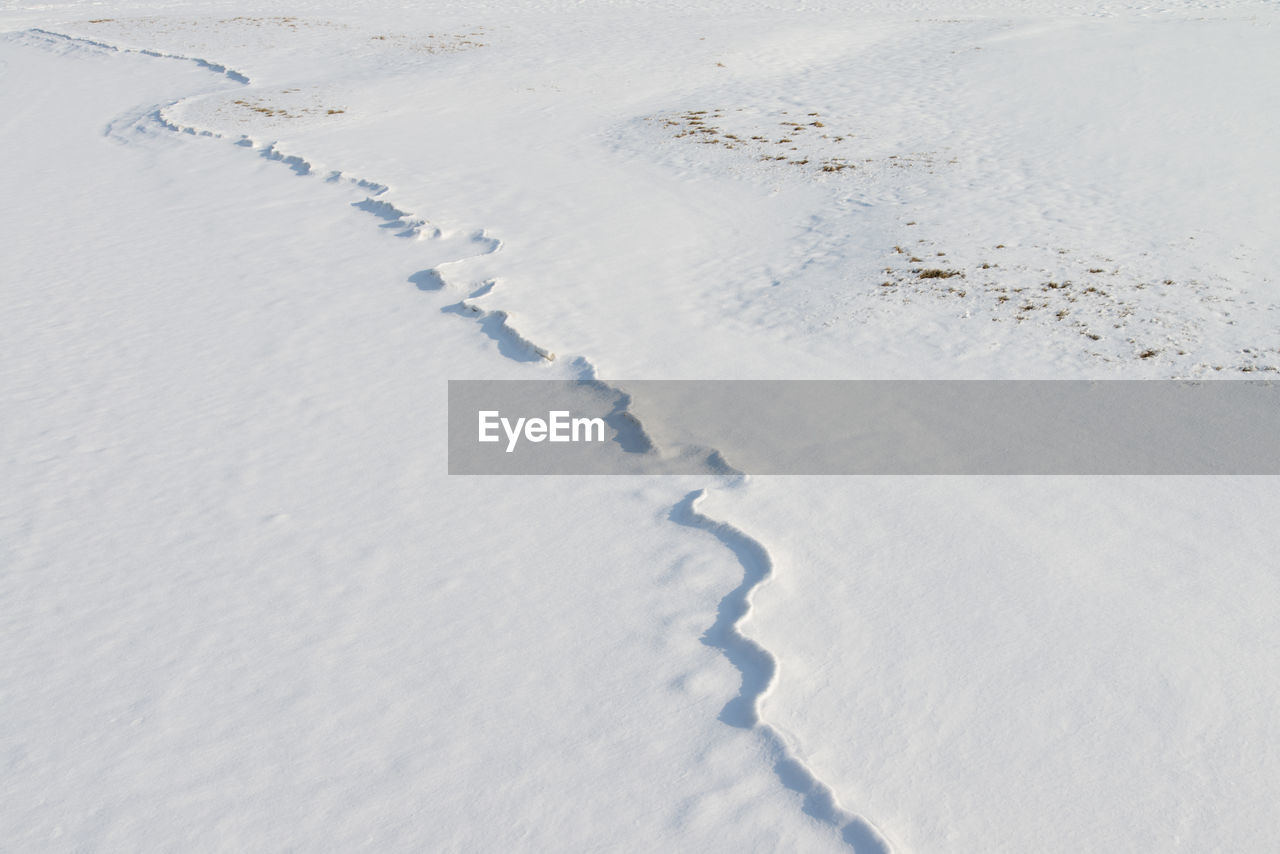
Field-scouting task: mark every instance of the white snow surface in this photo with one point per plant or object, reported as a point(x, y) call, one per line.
point(244, 608)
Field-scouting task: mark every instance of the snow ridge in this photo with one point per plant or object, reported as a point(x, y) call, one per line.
point(495, 323)
point(759, 669)
point(216, 68)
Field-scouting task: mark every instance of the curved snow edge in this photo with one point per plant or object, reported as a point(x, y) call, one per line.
point(758, 666)
point(759, 669)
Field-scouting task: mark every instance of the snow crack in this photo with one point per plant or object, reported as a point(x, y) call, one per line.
point(758, 666)
point(759, 669)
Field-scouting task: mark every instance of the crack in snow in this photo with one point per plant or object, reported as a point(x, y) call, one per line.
point(759, 669)
point(758, 666)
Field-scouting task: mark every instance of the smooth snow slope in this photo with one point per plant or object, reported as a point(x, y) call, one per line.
point(1101, 185)
point(243, 606)
point(1016, 664)
point(251, 612)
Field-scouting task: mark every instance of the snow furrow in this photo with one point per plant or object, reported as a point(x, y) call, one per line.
point(216, 68)
point(495, 323)
point(759, 669)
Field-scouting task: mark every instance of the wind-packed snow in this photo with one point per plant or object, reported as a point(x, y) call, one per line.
point(244, 607)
